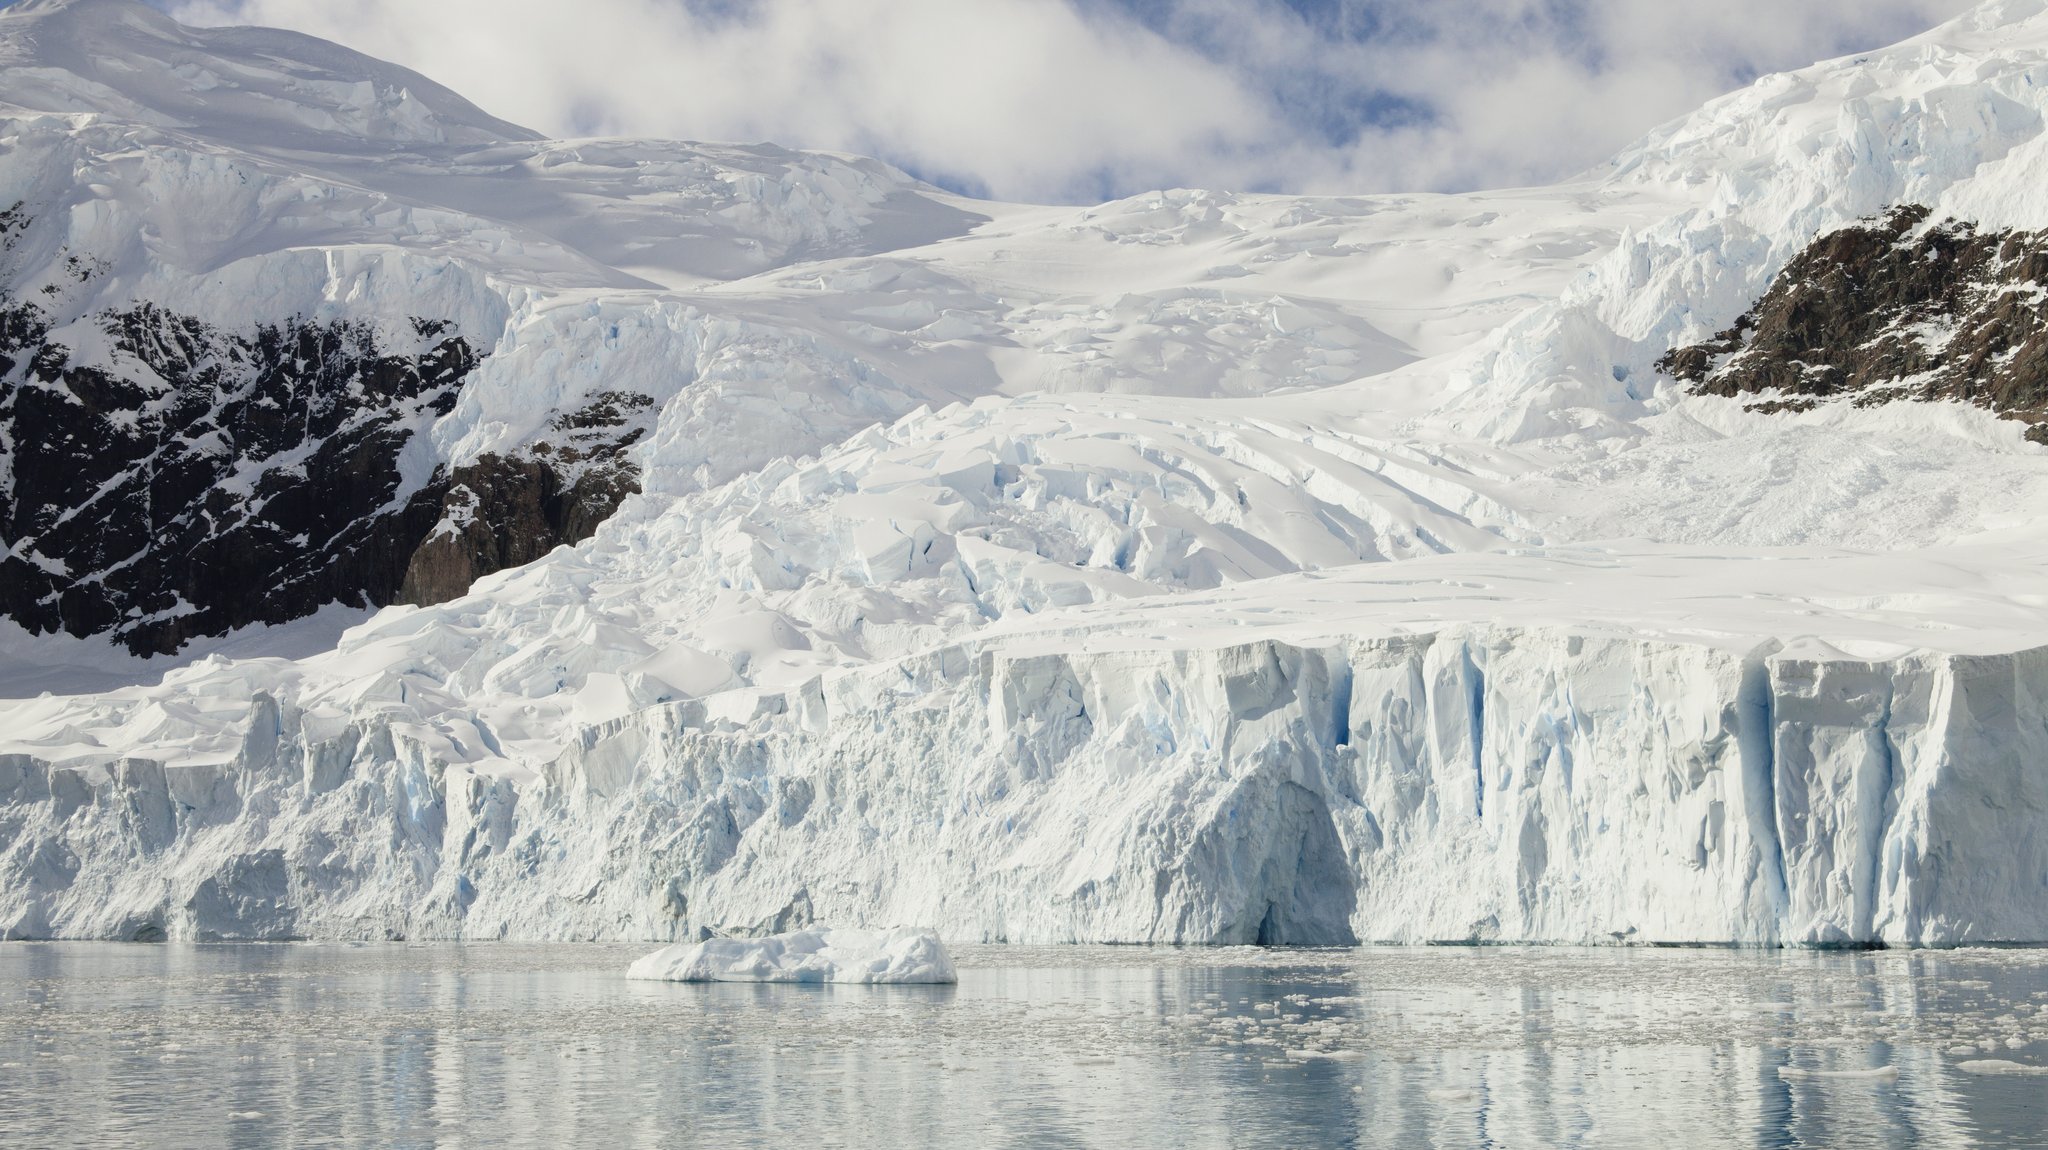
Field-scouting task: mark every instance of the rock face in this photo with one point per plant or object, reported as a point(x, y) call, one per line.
point(1891, 309)
point(507, 511)
point(162, 479)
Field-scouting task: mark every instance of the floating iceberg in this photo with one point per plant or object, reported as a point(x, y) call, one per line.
point(1999, 1066)
point(901, 955)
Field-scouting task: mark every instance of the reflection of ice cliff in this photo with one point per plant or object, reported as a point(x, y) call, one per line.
point(1111, 1047)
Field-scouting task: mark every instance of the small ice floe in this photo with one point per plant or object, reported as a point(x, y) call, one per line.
point(1453, 1094)
point(1304, 1054)
point(1999, 1066)
point(901, 955)
point(1870, 1074)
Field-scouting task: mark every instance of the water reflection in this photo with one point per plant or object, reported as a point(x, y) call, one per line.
point(513, 1045)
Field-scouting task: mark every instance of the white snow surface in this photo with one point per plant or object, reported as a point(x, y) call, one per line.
point(1197, 567)
point(897, 956)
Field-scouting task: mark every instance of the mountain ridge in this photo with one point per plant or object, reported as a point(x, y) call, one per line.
point(133, 61)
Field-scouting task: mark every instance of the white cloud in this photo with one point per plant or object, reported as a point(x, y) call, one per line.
point(1073, 99)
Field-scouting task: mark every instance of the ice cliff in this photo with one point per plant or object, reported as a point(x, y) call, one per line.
point(1478, 784)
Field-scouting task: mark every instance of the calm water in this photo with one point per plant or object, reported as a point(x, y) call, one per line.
point(498, 1045)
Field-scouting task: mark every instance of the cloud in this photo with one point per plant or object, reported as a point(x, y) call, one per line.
point(1084, 99)
point(1468, 93)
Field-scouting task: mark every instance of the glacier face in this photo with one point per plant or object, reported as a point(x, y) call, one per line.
point(1194, 568)
point(1477, 784)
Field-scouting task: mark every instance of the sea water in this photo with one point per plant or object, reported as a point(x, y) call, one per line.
point(550, 1045)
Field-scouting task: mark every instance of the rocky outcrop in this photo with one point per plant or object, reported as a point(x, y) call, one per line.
point(507, 511)
point(197, 481)
point(162, 479)
point(1893, 309)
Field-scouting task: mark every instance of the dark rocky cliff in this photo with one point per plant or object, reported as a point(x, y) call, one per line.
point(191, 481)
point(1889, 309)
point(507, 511)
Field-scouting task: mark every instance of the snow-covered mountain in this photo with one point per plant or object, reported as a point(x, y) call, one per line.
point(415, 526)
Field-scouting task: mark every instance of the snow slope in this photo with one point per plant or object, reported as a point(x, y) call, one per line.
point(1196, 567)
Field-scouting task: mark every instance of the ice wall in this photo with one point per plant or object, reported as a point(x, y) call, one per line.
point(1479, 784)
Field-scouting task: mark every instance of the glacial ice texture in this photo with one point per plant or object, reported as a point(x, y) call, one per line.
point(1471, 785)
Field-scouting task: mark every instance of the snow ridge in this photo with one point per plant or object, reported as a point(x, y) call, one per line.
point(125, 60)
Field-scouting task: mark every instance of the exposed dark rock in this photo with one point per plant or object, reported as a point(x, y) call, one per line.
point(501, 512)
point(200, 481)
point(1887, 310)
point(193, 481)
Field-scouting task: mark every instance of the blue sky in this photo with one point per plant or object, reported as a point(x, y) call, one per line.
point(1076, 100)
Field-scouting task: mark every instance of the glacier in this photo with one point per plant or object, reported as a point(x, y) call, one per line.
point(1475, 784)
point(1195, 568)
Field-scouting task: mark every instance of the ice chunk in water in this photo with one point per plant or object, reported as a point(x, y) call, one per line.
point(1873, 1073)
point(900, 955)
point(1999, 1066)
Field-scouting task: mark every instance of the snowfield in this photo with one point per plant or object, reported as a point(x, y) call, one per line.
point(1197, 567)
